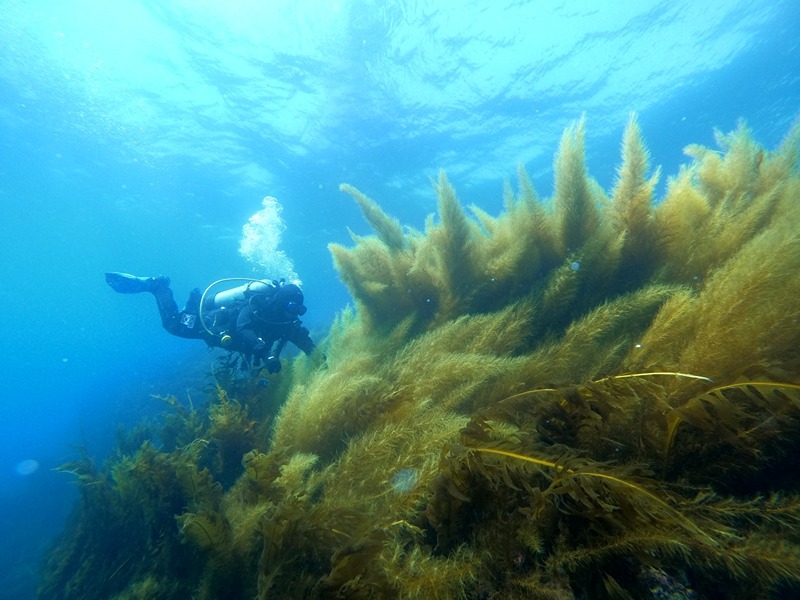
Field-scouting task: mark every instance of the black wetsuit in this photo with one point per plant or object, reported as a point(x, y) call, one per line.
point(256, 328)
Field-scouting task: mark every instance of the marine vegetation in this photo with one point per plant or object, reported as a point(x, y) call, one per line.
point(594, 395)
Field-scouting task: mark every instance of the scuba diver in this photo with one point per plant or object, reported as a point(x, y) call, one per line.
point(255, 319)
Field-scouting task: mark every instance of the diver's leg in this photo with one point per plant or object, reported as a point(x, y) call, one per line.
point(181, 323)
point(168, 310)
point(158, 286)
point(192, 305)
point(184, 323)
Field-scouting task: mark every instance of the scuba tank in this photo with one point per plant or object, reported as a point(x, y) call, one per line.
point(228, 297)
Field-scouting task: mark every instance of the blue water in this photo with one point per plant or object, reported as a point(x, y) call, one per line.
point(141, 137)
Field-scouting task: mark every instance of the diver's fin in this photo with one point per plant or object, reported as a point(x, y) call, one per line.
point(130, 284)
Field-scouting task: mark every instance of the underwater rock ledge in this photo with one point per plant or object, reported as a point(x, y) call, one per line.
point(594, 395)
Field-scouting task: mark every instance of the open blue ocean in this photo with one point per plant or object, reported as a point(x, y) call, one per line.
point(143, 135)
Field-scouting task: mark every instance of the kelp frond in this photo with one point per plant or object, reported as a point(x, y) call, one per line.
point(570, 484)
point(389, 229)
point(575, 204)
point(724, 412)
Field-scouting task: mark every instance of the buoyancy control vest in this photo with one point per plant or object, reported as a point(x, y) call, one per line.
point(218, 312)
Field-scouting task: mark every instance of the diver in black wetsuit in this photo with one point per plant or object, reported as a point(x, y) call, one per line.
point(256, 319)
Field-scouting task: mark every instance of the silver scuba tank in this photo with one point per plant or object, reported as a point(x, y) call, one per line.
point(228, 297)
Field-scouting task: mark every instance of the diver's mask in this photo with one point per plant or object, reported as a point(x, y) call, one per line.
point(295, 309)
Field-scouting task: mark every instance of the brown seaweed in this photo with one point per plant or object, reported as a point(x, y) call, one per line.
point(574, 398)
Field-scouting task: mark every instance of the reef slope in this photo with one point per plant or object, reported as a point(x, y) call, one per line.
point(591, 395)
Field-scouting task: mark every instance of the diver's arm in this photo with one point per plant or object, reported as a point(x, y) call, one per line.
point(246, 340)
point(299, 337)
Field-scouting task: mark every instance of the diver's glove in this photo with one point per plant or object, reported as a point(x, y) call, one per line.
point(273, 364)
point(259, 352)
